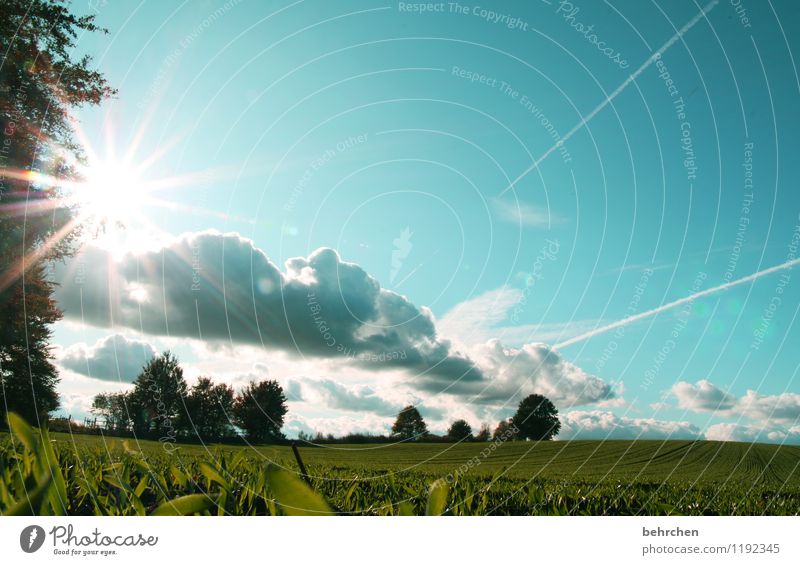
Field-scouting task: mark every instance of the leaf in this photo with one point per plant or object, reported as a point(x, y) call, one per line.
point(140, 488)
point(186, 505)
point(294, 496)
point(58, 496)
point(32, 502)
point(405, 509)
point(437, 498)
point(213, 475)
point(23, 432)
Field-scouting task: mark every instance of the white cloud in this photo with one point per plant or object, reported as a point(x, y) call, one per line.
point(783, 408)
point(335, 395)
point(703, 396)
point(479, 319)
point(112, 358)
point(536, 368)
point(597, 424)
point(752, 433)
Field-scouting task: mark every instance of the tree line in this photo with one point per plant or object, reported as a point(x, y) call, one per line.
point(536, 419)
point(161, 405)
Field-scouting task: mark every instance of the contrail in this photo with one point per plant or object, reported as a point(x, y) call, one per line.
point(637, 317)
point(585, 120)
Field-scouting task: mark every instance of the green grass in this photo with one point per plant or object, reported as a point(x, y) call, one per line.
point(96, 475)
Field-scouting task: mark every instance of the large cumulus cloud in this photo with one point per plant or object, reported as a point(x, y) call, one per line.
point(220, 287)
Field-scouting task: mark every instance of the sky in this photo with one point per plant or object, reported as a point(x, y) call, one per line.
point(450, 205)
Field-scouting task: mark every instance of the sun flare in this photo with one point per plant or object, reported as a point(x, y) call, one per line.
point(111, 194)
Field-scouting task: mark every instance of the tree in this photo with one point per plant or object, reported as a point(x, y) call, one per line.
point(259, 410)
point(40, 84)
point(157, 400)
point(209, 410)
point(409, 424)
point(485, 434)
point(536, 418)
point(113, 409)
point(504, 431)
point(460, 430)
point(28, 378)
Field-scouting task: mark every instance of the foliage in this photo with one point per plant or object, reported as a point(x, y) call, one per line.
point(209, 411)
point(40, 82)
point(112, 407)
point(484, 434)
point(28, 378)
point(157, 400)
point(409, 424)
point(460, 430)
point(504, 430)
point(536, 418)
point(259, 410)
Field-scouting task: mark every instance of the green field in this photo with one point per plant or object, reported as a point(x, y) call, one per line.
point(96, 475)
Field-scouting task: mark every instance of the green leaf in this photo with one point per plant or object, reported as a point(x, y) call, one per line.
point(23, 432)
point(405, 509)
point(186, 505)
point(437, 498)
point(213, 475)
point(33, 501)
point(294, 496)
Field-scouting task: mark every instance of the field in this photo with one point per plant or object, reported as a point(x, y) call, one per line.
point(93, 475)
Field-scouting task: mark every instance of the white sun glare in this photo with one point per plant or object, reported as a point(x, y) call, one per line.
point(111, 195)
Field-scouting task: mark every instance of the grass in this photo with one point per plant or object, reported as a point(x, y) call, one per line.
point(83, 474)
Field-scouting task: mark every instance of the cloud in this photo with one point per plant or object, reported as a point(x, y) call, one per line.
point(338, 426)
point(703, 396)
point(597, 424)
point(751, 433)
point(784, 408)
point(112, 358)
point(215, 286)
point(476, 315)
point(535, 368)
point(480, 319)
point(524, 214)
point(220, 288)
point(357, 398)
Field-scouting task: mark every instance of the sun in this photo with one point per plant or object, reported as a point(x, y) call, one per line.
point(111, 194)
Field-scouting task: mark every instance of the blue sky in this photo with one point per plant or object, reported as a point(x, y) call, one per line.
point(391, 136)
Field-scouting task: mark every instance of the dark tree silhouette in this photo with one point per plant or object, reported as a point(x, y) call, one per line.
point(504, 431)
point(460, 430)
point(536, 418)
point(209, 410)
point(409, 424)
point(484, 434)
point(28, 378)
point(157, 400)
point(40, 83)
point(259, 410)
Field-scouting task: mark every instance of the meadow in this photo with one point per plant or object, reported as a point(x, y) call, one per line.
point(42, 473)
